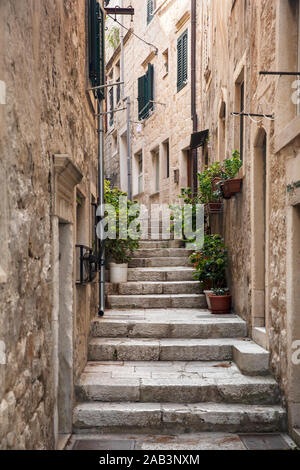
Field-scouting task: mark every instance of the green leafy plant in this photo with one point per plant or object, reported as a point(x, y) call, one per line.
point(220, 292)
point(211, 262)
point(120, 250)
point(231, 166)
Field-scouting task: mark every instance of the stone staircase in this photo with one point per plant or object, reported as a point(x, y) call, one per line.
point(159, 362)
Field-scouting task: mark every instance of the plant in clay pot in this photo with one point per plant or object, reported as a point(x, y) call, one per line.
point(210, 264)
point(220, 301)
point(232, 185)
point(120, 248)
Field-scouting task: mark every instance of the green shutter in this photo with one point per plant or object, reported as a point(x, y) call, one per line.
point(146, 93)
point(96, 47)
point(150, 86)
point(150, 10)
point(182, 60)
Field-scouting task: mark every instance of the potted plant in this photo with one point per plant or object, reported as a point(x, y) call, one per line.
point(119, 249)
point(232, 185)
point(220, 301)
point(207, 194)
point(210, 264)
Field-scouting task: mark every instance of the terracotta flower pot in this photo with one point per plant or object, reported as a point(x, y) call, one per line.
point(220, 305)
point(232, 186)
point(214, 207)
point(226, 194)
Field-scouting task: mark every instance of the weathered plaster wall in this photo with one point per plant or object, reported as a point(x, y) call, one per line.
point(47, 112)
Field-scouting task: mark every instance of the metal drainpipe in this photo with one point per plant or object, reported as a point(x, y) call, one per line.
point(101, 212)
point(193, 88)
point(129, 148)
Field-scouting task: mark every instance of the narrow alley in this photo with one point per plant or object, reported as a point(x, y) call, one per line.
point(149, 228)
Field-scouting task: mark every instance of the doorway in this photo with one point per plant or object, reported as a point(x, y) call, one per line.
point(65, 329)
point(259, 256)
point(293, 313)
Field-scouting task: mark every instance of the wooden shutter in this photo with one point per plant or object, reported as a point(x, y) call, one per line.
point(150, 10)
point(141, 96)
point(146, 93)
point(96, 47)
point(111, 105)
point(182, 60)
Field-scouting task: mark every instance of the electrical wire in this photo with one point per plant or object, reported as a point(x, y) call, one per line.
point(134, 34)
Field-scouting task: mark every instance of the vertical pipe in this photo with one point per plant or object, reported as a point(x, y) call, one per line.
point(193, 89)
point(122, 54)
point(102, 211)
point(129, 148)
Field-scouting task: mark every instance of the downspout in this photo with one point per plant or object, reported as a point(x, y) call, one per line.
point(193, 89)
point(101, 211)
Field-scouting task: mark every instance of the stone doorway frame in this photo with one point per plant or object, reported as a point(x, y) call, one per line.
point(260, 213)
point(293, 306)
point(65, 178)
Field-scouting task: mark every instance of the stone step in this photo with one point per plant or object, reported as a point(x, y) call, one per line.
point(162, 253)
point(157, 274)
point(177, 382)
point(159, 262)
point(175, 418)
point(157, 301)
point(251, 358)
point(167, 349)
point(146, 244)
point(144, 288)
point(168, 323)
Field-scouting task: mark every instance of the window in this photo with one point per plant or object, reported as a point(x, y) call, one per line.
point(118, 80)
point(96, 46)
point(150, 10)
point(156, 172)
point(146, 93)
point(182, 61)
point(166, 148)
point(111, 106)
point(139, 172)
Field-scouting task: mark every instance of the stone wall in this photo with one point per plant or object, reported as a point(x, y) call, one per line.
point(250, 36)
point(47, 112)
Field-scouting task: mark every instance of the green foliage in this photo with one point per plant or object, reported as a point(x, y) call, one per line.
point(119, 250)
point(220, 292)
point(211, 262)
point(232, 165)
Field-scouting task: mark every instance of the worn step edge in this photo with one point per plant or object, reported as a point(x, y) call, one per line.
point(168, 328)
point(147, 417)
point(229, 390)
point(131, 349)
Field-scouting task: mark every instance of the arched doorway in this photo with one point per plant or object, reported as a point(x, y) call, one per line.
point(259, 255)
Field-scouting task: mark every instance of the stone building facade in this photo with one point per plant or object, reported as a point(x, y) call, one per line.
point(261, 224)
point(236, 40)
point(161, 139)
point(48, 181)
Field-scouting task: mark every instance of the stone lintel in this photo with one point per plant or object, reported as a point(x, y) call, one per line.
point(66, 177)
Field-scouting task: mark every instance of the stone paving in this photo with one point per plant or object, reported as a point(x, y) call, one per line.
point(186, 442)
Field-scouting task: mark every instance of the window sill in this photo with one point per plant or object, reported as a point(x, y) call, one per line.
point(287, 135)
